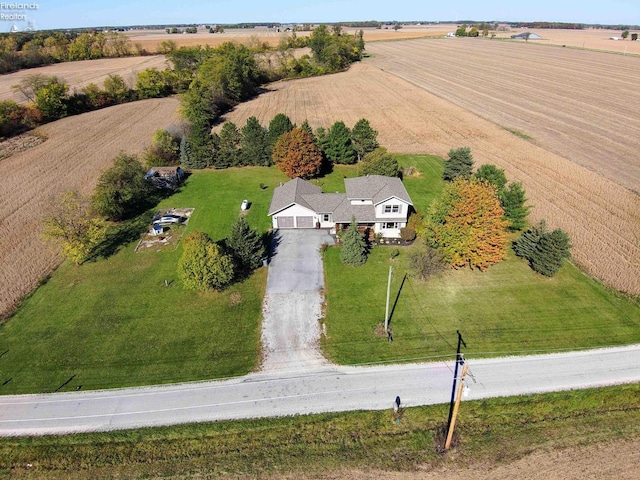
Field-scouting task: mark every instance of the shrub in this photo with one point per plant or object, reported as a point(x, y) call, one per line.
point(378, 162)
point(407, 234)
point(202, 265)
point(544, 250)
point(245, 245)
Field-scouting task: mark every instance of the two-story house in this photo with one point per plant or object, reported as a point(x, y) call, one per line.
point(379, 204)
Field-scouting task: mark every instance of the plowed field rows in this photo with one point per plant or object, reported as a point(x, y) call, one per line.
point(582, 105)
point(602, 217)
point(78, 149)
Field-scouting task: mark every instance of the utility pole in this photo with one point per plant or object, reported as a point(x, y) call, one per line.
point(459, 361)
point(386, 316)
point(455, 409)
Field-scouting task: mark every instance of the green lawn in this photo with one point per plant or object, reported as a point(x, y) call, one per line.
point(507, 310)
point(114, 323)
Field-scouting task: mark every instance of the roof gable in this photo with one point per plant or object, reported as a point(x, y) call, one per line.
point(378, 188)
point(292, 192)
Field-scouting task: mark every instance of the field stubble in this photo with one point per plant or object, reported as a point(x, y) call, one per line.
point(77, 151)
point(601, 216)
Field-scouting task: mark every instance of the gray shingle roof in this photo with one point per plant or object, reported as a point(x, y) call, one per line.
point(376, 187)
point(292, 192)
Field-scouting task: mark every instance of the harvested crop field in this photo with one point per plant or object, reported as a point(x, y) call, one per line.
point(582, 105)
point(80, 74)
point(602, 217)
point(78, 149)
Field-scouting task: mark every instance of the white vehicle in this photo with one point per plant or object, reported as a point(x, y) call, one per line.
point(168, 219)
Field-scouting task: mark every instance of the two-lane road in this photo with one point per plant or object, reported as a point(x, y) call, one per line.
point(329, 389)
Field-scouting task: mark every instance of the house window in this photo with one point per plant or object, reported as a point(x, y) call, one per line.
point(392, 209)
point(389, 225)
point(326, 217)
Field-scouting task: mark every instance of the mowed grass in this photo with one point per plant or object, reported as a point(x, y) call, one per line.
point(114, 323)
point(509, 309)
point(332, 444)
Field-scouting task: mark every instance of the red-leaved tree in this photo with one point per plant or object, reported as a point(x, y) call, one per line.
point(296, 155)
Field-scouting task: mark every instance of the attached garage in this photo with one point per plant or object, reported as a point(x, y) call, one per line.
point(304, 222)
point(285, 222)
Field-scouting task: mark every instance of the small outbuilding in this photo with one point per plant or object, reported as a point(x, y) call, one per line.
point(527, 36)
point(165, 177)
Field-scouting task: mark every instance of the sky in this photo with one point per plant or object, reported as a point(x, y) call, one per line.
point(53, 14)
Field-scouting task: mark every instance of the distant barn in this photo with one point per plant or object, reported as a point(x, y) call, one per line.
point(527, 36)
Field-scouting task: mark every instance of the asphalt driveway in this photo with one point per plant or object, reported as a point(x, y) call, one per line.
point(292, 305)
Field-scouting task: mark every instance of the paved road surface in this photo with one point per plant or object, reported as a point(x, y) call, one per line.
point(327, 389)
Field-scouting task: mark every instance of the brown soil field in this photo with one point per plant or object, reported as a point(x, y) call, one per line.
point(77, 151)
point(602, 217)
point(80, 74)
point(609, 461)
point(597, 39)
point(582, 105)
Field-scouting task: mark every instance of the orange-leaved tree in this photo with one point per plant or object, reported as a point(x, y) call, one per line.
point(296, 155)
point(467, 225)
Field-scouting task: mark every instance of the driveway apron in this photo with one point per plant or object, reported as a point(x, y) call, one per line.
point(292, 305)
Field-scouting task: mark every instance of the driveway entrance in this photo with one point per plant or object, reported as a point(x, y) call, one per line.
point(292, 305)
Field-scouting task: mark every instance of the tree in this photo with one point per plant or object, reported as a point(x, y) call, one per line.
point(425, 261)
point(378, 162)
point(115, 86)
point(253, 145)
point(550, 253)
point(492, 174)
point(467, 225)
point(474, 32)
point(151, 83)
point(544, 250)
point(363, 138)
point(513, 201)
point(165, 150)
point(51, 99)
point(459, 164)
point(296, 155)
point(203, 266)
point(185, 152)
point(338, 144)
point(245, 245)
point(354, 247)
point(228, 146)
point(277, 126)
point(122, 190)
point(73, 225)
point(625, 34)
point(31, 84)
point(461, 31)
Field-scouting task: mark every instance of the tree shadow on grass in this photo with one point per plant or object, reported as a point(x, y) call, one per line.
point(122, 234)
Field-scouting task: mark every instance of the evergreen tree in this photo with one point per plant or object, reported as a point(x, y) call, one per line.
point(339, 148)
point(307, 128)
point(253, 145)
point(526, 245)
point(550, 253)
point(459, 164)
point(245, 245)
point(354, 247)
point(493, 175)
point(364, 138)
point(200, 147)
point(185, 151)
point(513, 201)
point(277, 126)
point(228, 151)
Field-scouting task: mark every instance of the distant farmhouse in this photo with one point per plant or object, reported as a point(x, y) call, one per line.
point(379, 204)
point(527, 36)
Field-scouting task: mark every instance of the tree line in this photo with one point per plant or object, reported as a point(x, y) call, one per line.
point(32, 49)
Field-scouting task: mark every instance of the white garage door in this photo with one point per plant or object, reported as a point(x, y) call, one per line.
point(304, 222)
point(285, 222)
